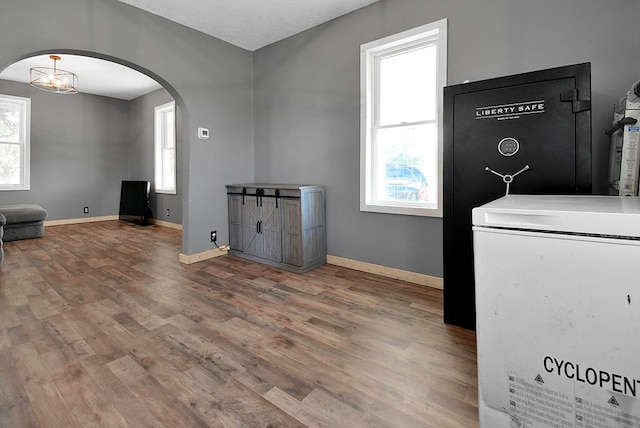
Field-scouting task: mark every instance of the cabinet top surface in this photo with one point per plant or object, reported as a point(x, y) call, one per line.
point(274, 185)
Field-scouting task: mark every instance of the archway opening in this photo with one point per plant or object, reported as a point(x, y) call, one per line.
point(59, 176)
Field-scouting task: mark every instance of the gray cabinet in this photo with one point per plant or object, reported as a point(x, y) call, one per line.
point(277, 224)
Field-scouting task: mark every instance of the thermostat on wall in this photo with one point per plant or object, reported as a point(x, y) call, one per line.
point(203, 133)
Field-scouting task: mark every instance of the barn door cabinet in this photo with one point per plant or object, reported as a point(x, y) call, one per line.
point(279, 225)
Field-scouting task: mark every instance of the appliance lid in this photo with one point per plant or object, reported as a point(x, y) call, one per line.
point(592, 215)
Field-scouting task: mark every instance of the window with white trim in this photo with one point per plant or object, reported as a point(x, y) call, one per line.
point(15, 144)
point(402, 79)
point(165, 148)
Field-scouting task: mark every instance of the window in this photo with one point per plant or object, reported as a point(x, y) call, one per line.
point(165, 148)
point(15, 129)
point(402, 79)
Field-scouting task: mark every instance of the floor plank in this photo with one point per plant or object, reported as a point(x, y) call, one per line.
point(100, 325)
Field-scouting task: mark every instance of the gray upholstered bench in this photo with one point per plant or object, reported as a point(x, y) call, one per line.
point(24, 221)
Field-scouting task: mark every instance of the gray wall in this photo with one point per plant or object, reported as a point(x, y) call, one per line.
point(294, 105)
point(210, 80)
point(306, 98)
point(79, 152)
point(141, 138)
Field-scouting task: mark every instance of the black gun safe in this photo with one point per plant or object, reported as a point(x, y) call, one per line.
point(526, 134)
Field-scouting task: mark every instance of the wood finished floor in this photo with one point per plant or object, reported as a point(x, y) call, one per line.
point(101, 326)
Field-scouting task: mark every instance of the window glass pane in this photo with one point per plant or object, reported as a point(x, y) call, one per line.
point(165, 149)
point(170, 137)
point(168, 169)
point(10, 122)
point(408, 86)
point(406, 164)
point(9, 164)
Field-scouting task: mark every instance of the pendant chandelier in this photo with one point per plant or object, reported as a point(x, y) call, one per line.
point(53, 79)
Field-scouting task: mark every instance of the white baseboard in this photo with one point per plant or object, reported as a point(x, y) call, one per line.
point(107, 218)
point(165, 224)
point(188, 259)
point(388, 272)
point(79, 220)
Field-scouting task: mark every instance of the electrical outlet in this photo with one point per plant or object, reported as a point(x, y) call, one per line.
point(214, 236)
point(168, 212)
point(86, 210)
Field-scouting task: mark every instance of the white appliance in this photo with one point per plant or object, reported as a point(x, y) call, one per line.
point(558, 311)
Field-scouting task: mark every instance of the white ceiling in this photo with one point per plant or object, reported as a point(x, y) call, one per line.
point(122, 82)
point(249, 24)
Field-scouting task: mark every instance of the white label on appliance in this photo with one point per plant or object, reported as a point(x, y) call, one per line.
point(533, 403)
point(565, 394)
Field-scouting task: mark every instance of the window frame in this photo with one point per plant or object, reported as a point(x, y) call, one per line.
point(24, 143)
point(370, 55)
point(160, 146)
